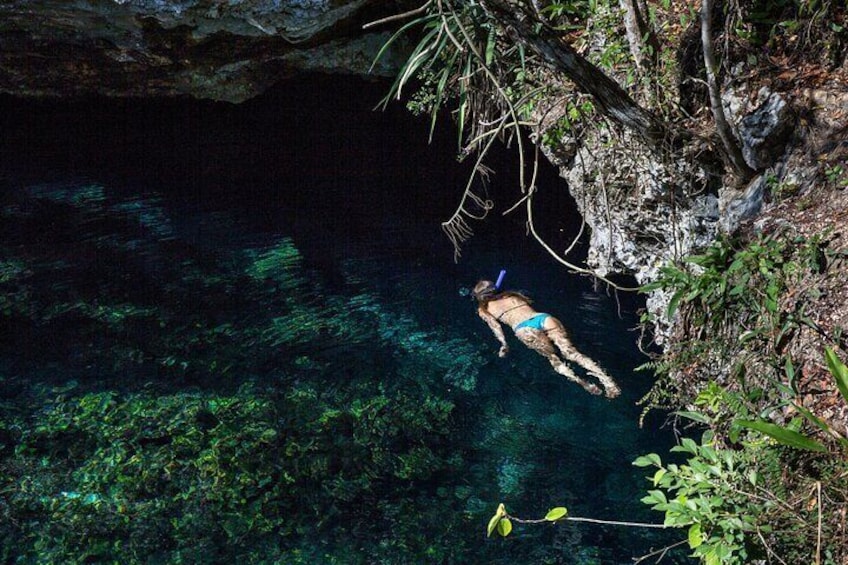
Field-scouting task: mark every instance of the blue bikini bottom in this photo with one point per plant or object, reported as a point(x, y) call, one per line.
point(537, 322)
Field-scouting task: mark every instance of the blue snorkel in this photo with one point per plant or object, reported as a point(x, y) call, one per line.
point(500, 279)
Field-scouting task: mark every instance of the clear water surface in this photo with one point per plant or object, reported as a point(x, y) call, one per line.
point(333, 211)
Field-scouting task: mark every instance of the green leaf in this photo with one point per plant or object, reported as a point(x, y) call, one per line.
point(495, 520)
point(789, 369)
point(555, 514)
point(783, 435)
point(821, 424)
point(440, 91)
point(687, 446)
point(504, 527)
point(672, 304)
point(838, 370)
point(694, 416)
point(493, 523)
point(658, 495)
point(648, 460)
point(696, 538)
point(490, 47)
point(656, 285)
point(420, 21)
point(712, 558)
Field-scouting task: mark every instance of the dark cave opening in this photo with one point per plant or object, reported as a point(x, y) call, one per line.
point(313, 146)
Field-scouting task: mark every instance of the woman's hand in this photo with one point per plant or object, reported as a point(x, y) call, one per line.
point(503, 351)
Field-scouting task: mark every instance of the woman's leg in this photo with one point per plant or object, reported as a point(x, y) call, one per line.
point(539, 342)
point(556, 332)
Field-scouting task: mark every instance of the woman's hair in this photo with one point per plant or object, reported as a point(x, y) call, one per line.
point(485, 291)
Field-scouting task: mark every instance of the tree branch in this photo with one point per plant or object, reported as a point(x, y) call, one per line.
point(610, 98)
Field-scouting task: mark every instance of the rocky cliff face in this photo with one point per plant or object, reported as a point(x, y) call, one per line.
point(645, 210)
point(224, 50)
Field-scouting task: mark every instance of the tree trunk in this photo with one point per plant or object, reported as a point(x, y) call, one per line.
point(639, 35)
point(610, 99)
point(728, 141)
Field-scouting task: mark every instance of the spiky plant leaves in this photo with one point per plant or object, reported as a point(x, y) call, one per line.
point(783, 435)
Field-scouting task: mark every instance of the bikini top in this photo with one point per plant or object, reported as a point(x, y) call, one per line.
point(510, 310)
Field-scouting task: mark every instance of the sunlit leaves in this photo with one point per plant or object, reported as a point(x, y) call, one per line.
point(494, 522)
point(704, 496)
point(555, 514)
point(695, 537)
point(501, 522)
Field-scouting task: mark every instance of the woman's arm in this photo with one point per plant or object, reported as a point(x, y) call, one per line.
point(496, 328)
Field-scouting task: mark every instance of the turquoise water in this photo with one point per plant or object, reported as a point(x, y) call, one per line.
point(153, 256)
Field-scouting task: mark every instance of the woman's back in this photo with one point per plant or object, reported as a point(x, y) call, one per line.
point(511, 309)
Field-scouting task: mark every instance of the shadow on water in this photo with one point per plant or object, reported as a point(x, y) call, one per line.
point(293, 243)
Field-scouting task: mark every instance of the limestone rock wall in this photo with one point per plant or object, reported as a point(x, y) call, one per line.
point(216, 49)
point(645, 210)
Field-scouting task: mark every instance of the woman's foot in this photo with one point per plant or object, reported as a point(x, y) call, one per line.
point(566, 371)
point(612, 390)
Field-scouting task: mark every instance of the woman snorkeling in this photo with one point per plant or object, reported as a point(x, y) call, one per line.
point(539, 331)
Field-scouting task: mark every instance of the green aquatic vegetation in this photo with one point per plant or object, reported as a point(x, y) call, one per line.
point(111, 476)
point(427, 351)
point(14, 294)
point(281, 264)
point(356, 425)
point(262, 307)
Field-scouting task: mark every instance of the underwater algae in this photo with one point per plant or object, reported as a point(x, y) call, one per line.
point(255, 429)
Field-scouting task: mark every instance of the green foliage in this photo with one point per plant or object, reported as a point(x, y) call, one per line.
point(791, 25)
point(456, 59)
point(728, 279)
point(555, 514)
point(707, 496)
point(837, 175)
point(737, 505)
point(729, 300)
point(786, 436)
point(738, 306)
point(838, 370)
point(563, 14)
point(576, 111)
